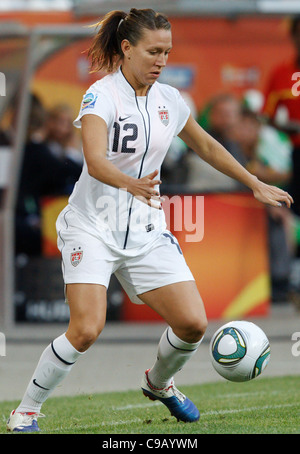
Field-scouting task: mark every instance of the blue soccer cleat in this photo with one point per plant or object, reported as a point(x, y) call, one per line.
point(179, 405)
point(23, 422)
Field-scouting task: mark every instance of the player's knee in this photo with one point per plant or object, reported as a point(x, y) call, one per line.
point(194, 330)
point(197, 330)
point(85, 336)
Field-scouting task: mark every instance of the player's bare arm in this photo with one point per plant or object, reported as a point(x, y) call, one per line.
point(217, 156)
point(94, 140)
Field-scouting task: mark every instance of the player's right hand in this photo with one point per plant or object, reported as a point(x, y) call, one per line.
point(144, 189)
point(271, 195)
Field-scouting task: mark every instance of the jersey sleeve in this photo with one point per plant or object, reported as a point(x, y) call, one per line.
point(96, 103)
point(183, 113)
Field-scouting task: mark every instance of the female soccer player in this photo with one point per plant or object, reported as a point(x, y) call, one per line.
point(114, 222)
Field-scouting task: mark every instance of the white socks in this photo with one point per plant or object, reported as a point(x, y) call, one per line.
point(172, 355)
point(55, 363)
point(58, 358)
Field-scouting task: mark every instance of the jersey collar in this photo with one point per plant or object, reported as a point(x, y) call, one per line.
point(125, 85)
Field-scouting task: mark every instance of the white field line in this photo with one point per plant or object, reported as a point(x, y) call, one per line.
point(223, 396)
point(244, 410)
point(210, 413)
point(134, 406)
point(203, 415)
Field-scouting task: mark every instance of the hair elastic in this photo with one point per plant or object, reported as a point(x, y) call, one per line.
point(120, 24)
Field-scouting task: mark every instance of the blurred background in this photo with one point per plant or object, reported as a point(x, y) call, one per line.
point(236, 64)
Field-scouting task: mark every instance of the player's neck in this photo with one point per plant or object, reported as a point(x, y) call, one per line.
point(140, 90)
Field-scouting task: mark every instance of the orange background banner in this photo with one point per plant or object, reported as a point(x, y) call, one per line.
point(210, 55)
point(230, 264)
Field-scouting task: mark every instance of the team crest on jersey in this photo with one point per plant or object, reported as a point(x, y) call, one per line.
point(89, 100)
point(76, 256)
point(164, 116)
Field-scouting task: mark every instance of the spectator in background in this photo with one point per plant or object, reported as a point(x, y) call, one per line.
point(61, 136)
point(268, 155)
point(42, 174)
point(282, 107)
point(223, 117)
point(174, 170)
point(4, 138)
point(267, 151)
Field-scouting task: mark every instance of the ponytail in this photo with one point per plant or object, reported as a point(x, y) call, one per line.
point(105, 51)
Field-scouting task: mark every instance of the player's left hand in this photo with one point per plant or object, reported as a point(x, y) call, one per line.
point(272, 195)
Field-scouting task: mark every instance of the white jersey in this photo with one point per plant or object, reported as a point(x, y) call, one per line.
point(140, 130)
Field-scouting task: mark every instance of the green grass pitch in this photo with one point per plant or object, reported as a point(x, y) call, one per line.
point(261, 406)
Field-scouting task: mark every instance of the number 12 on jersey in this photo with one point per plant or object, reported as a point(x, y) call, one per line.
point(133, 133)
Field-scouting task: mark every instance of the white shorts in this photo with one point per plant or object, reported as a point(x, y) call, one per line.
point(86, 259)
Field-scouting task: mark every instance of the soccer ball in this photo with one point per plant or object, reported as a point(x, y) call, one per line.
point(239, 351)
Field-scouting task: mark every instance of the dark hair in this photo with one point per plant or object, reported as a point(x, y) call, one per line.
point(222, 97)
point(106, 52)
point(37, 115)
point(294, 24)
point(246, 112)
